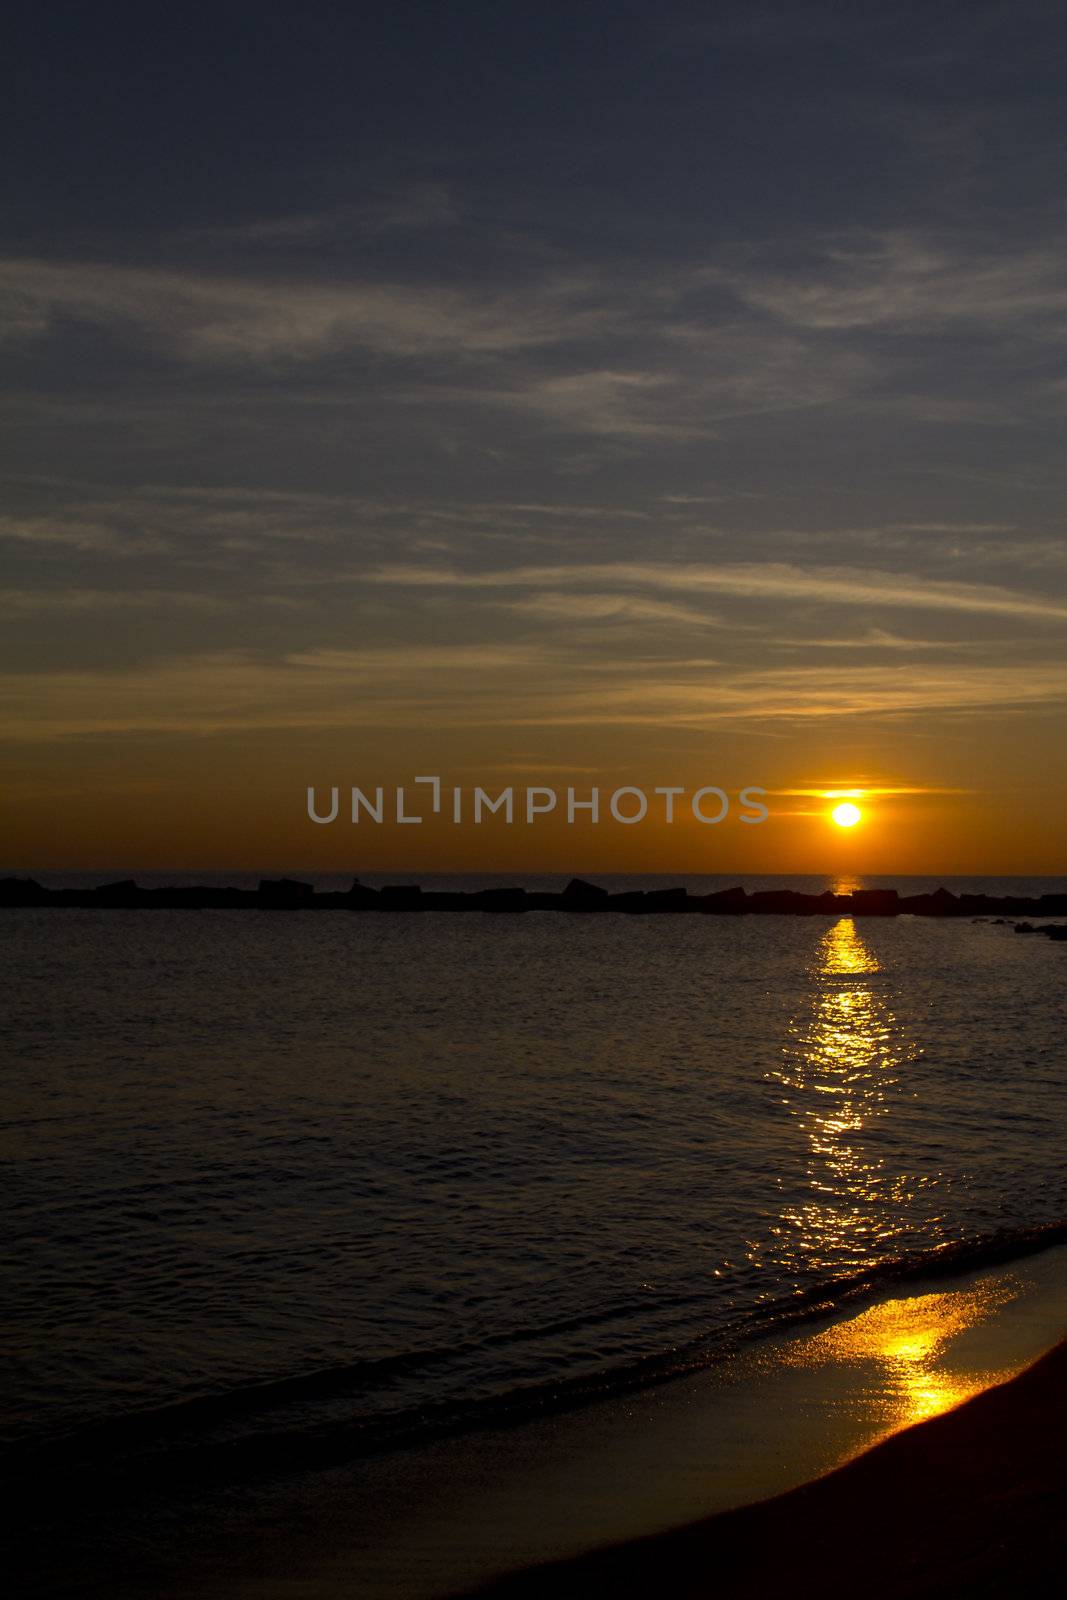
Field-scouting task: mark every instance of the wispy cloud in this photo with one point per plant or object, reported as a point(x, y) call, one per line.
point(162, 600)
point(648, 356)
point(414, 209)
point(842, 586)
point(240, 318)
point(222, 691)
point(494, 686)
point(635, 404)
point(879, 639)
point(812, 694)
point(903, 279)
point(873, 791)
point(690, 379)
point(615, 608)
point(72, 533)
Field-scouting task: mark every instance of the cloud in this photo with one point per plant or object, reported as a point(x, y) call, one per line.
point(629, 609)
point(874, 791)
point(492, 685)
point(91, 600)
point(880, 639)
point(905, 280)
point(951, 527)
point(844, 586)
point(643, 354)
point(244, 319)
point(805, 695)
point(412, 210)
point(626, 404)
point(222, 691)
point(690, 378)
point(70, 533)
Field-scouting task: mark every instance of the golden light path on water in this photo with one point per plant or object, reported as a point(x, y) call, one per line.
point(841, 1067)
point(842, 1072)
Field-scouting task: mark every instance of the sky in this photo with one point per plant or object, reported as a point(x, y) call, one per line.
point(601, 394)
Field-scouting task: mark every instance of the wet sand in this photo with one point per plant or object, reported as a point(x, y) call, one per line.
point(970, 1502)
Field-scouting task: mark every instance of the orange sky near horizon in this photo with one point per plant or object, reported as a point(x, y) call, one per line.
point(215, 805)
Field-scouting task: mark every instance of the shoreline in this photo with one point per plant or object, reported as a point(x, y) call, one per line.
point(781, 1414)
point(659, 1489)
point(968, 1502)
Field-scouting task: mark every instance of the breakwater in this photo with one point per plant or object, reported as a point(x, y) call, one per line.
point(579, 897)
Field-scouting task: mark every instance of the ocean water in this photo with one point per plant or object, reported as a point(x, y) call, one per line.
point(287, 1189)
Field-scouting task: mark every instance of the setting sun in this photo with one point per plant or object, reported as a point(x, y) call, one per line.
point(846, 815)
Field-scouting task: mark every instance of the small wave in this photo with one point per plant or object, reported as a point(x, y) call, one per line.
point(192, 1443)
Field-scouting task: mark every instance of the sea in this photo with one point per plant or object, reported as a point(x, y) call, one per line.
point(285, 1190)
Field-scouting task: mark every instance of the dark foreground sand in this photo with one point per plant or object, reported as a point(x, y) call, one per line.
point(969, 1503)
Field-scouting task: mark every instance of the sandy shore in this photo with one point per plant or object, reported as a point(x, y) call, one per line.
point(968, 1503)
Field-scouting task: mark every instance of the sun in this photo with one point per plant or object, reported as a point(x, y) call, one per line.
point(846, 815)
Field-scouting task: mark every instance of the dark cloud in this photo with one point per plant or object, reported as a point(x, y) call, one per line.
point(604, 330)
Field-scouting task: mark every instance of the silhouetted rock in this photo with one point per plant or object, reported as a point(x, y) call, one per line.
point(875, 902)
point(401, 897)
point(582, 896)
point(502, 899)
point(578, 889)
point(196, 897)
point(1057, 931)
point(942, 903)
point(284, 892)
point(631, 901)
point(779, 902)
point(22, 892)
point(723, 902)
point(124, 891)
point(1024, 927)
point(666, 900)
point(547, 900)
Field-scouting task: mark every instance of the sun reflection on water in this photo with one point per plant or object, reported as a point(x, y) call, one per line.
point(905, 1342)
point(849, 1203)
point(841, 1075)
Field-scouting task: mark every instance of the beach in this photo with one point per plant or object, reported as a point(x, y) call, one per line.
point(966, 1503)
point(914, 1426)
point(551, 1500)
